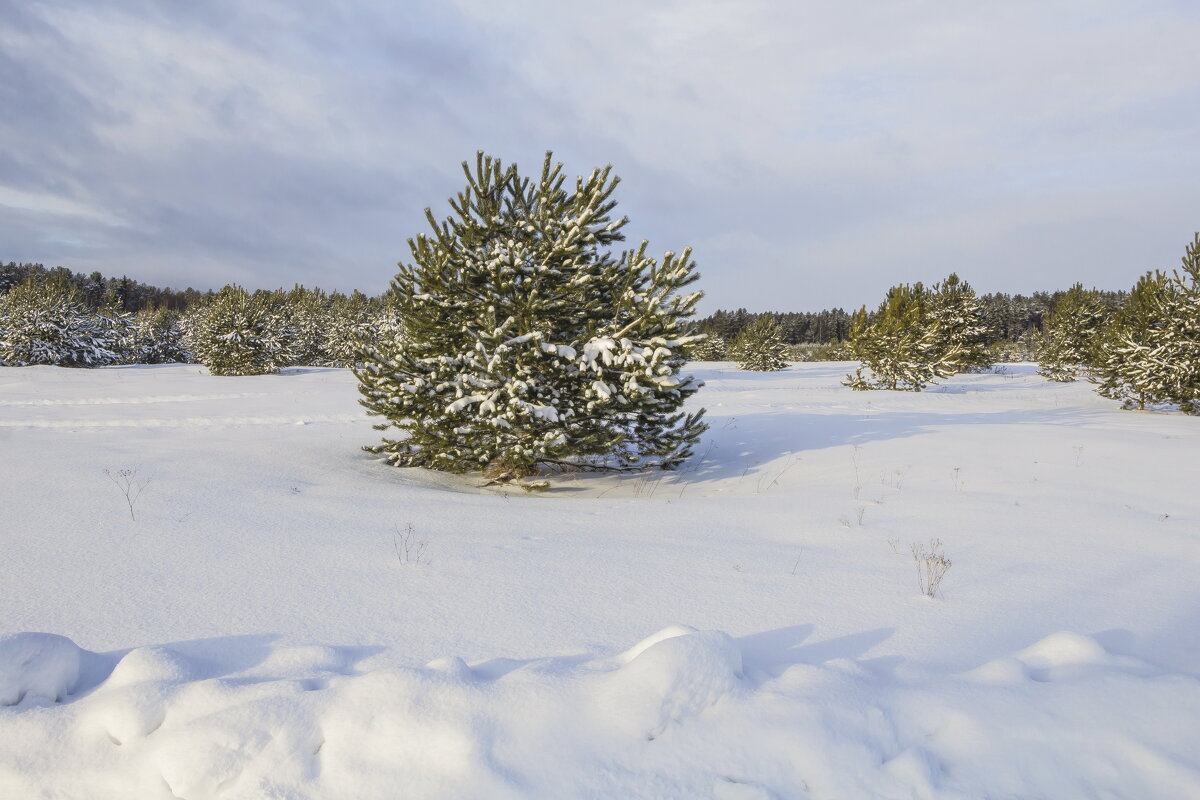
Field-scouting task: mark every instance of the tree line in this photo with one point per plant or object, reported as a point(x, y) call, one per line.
point(95, 290)
point(1141, 347)
point(1006, 318)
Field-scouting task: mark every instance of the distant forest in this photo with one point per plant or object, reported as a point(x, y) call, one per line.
point(1008, 317)
point(130, 295)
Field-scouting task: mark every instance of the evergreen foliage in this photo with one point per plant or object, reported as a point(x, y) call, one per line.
point(158, 337)
point(760, 347)
point(1150, 347)
point(900, 347)
point(525, 344)
point(305, 314)
point(237, 333)
point(710, 348)
point(795, 327)
point(95, 290)
point(1070, 335)
point(957, 313)
point(349, 321)
point(44, 322)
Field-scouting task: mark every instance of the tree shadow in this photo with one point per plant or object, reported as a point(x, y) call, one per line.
point(741, 445)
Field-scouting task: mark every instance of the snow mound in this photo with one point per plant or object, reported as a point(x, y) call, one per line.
point(671, 676)
point(146, 664)
point(672, 717)
point(37, 665)
point(1060, 655)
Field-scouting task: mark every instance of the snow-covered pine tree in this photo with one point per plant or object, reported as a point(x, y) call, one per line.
point(526, 345)
point(305, 312)
point(117, 328)
point(44, 322)
point(158, 337)
point(760, 346)
point(711, 348)
point(955, 309)
point(1070, 335)
point(236, 333)
point(349, 320)
point(1127, 367)
point(1151, 346)
point(1182, 350)
point(899, 347)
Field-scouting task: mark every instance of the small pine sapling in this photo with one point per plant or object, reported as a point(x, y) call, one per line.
point(526, 344)
point(760, 346)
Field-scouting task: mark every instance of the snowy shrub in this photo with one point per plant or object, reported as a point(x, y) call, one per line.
point(526, 344)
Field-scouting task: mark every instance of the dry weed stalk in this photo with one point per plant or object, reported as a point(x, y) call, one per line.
point(931, 566)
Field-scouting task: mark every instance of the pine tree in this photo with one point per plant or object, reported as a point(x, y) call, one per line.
point(1151, 345)
point(158, 337)
point(1069, 339)
point(711, 348)
point(1126, 368)
point(306, 314)
point(349, 321)
point(760, 346)
point(237, 333)
point(1181, 351)
point(956, 311)
point(117, 328)
point(525, 344)
point(44, 322)
point(899, 347)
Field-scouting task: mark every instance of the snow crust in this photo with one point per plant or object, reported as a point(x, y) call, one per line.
point(748, 627)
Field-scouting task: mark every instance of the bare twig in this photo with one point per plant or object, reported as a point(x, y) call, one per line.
point(409, 549)
point(131, 487)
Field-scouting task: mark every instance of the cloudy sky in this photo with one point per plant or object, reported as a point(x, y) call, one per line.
point(812, 153)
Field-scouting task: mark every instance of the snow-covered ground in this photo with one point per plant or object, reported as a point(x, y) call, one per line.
point(287, 617)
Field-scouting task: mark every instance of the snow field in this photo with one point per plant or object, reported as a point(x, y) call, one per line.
point(255, 632)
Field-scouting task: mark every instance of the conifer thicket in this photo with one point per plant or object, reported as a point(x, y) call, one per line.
point(1069, 342)
point(900, 346)
point(44, 322)
point(526, 344)
point(1149, 349)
